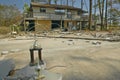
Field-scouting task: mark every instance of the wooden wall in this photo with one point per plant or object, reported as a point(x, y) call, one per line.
point(42, 25)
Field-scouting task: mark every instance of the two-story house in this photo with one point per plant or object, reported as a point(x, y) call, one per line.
point(44, 16)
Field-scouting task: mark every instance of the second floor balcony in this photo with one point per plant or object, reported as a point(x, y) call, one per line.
point(53, 16)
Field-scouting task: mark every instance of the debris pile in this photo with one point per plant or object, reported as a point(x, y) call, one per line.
point(6, 52)
point(96, 42)
point(113, 37)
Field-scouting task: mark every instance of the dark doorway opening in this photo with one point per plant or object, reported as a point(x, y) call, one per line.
point(83, 25)
point(31, 26)
point(57, 24)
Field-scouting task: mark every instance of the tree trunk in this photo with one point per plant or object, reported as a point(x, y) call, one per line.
point(90, 15)
point(81, 14)
point(95, 17)
point(106, 14)
point(101, 10)
point(99, 5)
point(102, 16)
point(110, 13)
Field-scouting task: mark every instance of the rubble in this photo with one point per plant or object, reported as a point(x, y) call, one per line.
point(10, 51)
point(104, 36)
point(96, 42)
point(14, 50)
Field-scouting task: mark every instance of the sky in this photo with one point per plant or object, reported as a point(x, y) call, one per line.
point(20, 3)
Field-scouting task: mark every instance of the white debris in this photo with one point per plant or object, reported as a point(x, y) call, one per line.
point(96, 42)
point(14, 50)
point(4, 52)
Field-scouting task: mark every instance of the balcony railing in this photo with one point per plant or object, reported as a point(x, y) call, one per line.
point(53, 16)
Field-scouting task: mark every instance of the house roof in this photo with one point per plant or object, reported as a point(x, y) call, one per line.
point(40, 1)
point(56, 6)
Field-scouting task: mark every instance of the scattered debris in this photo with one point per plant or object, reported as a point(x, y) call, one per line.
point(70, 40)
point(14, 50)
point(11, 51)
point(66, 32)
point(14, 33)
point(4, 52)
point(78, 34)
point(96, 42)
point(87, 41)
point(96, 35)
point(62, 35)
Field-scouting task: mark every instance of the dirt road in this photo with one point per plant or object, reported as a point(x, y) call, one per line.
point(74, 59)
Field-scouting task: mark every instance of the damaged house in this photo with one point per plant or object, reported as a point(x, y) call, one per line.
point(44, 16)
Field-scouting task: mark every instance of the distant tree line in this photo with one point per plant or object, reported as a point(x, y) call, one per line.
point(108, 13)
point(9, 15)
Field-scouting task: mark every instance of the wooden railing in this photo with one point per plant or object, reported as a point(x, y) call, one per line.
point(54, 16)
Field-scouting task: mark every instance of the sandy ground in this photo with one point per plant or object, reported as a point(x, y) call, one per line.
point(74, 59)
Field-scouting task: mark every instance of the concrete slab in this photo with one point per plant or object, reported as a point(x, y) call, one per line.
point(29, 73)
point(5, 67)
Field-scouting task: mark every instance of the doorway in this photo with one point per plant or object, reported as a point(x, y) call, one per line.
point(56, 24)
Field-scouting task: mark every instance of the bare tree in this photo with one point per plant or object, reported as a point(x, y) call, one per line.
point(114, 12)
point(95, 16)
point(9, 15)
point(106, 11)
point(90, 14)
point(102, 16)
point(101, 10)
point(110, 12)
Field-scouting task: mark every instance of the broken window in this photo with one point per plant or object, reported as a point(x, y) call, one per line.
point(43, 10)
point(59, 11)
point(79, 13)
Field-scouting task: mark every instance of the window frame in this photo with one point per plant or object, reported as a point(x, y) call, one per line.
point(42, 10)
